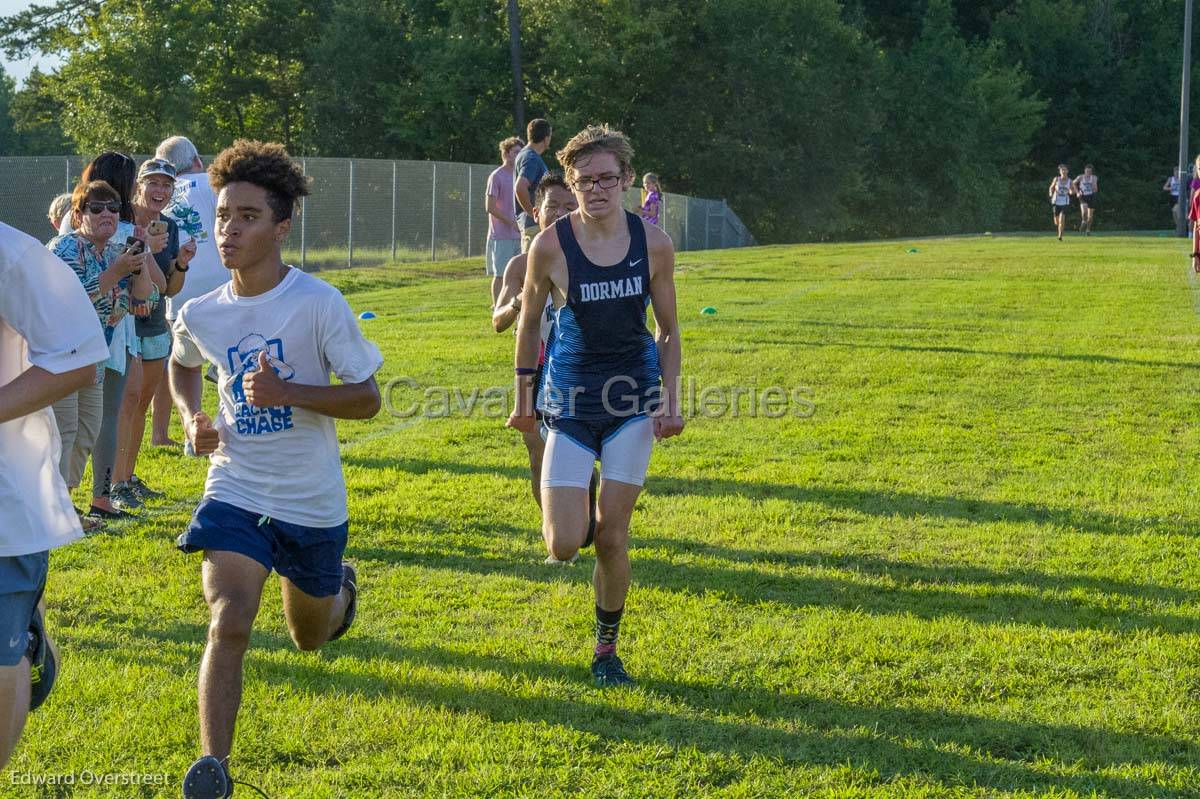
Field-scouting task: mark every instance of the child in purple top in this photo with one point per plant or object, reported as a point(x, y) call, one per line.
point(651, 198)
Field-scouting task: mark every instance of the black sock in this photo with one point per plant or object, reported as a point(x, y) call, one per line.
point(608, 625)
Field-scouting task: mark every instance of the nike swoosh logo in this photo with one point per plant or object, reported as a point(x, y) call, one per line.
point(635, 263)
point(14, 643)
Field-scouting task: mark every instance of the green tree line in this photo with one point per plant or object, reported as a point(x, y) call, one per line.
point(815, 119)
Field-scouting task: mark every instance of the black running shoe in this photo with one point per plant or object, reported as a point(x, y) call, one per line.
point(609, 672)
point(208, 778)
point(350, 583)
point(43, 662)
point(104, 513)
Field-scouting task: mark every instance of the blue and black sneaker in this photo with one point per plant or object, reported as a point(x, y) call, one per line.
point(350, 583)
point(609, 672)
point(43, 661)
point(208, 778)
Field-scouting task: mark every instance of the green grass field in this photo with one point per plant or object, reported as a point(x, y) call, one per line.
point(971, 572)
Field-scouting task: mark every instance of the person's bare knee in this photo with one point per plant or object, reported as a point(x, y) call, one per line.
point(232, 622)
point(563, 544)
point(565, 522)
point(612, 539)
point(233, 590)
point(308, 640)
point(309, 619)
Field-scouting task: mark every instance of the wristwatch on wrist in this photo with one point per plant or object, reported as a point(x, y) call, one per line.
point(181, 268)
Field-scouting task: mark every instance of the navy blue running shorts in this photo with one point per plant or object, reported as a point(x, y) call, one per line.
point(22, 579)
point(311, 557)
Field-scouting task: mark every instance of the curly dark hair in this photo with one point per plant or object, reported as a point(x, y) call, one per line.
point(266, 165)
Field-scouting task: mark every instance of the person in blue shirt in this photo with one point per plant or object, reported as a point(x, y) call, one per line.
point(528, 170)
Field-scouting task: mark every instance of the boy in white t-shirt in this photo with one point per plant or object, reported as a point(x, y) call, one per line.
point(275, 498)
point(50, 343)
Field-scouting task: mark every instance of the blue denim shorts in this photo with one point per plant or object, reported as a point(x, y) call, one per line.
point(311, 557)
point(155, 348)
point(22, 580)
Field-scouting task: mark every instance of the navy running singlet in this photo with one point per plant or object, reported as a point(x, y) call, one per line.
point(601, 360)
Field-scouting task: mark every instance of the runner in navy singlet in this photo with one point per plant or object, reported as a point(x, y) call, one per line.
point(610, 385)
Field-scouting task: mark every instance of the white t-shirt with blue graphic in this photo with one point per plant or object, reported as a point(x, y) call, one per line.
point(281, 462)
point(194, 208)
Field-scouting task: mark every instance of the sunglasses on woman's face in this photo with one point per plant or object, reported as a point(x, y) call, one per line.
point(99, 208)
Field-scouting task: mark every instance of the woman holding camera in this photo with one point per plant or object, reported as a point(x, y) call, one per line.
point(120, 172)
point(115, 281)
point(155, 185)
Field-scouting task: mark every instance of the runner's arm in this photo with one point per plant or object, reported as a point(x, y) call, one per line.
point(508, 303)
point(35, 388)
point(186, 388)
point(341, 401)
point(666, 321)
point(537, 286)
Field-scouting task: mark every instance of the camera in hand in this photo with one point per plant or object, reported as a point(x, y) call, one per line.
point(134, 246)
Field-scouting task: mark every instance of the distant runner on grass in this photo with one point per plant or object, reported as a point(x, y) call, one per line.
point(275, 497)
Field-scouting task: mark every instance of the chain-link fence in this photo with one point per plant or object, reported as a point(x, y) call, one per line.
point(367, 212)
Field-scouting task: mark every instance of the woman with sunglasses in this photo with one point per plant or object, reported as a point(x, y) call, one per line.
point(115, 281)
point(155, 186)
point(120, 172)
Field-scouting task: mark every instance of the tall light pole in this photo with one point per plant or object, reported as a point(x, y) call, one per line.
point(514, 47)
point(1185, 194)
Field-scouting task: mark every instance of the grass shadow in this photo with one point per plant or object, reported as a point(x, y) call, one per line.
point(792, 727)
point(903, 504)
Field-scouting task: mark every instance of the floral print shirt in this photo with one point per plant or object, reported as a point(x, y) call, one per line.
point(88, 262)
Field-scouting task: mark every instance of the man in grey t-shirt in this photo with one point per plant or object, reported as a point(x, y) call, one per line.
point(528, 171)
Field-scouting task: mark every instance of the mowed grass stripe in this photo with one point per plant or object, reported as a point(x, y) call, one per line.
point(970, 573)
